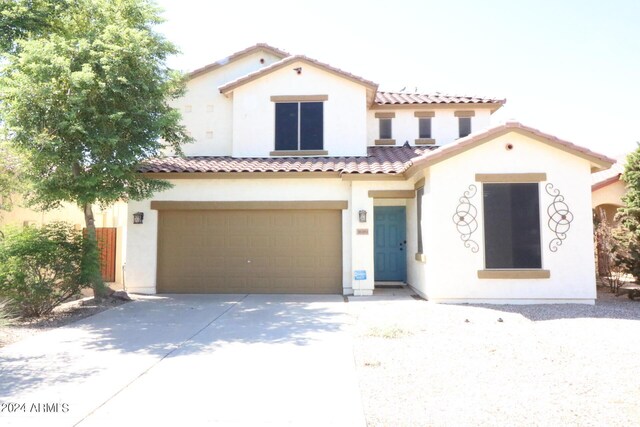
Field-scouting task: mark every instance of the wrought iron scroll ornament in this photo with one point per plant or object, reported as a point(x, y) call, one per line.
point(465, 218)
point(560, 217)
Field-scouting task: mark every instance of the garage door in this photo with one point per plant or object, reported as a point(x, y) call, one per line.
point(250, 251)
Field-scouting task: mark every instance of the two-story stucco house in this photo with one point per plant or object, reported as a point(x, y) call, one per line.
point(304, 178)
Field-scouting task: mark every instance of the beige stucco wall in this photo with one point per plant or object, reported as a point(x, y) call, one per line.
point(450, 271)
point(444, 126)
point(344, 111)
point(609, 195)
point(207, 114)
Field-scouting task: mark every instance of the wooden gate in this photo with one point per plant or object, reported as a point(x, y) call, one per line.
point(106, 237)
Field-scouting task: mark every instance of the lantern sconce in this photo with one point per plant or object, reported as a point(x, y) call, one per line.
point(362, 215)
point(138, 217)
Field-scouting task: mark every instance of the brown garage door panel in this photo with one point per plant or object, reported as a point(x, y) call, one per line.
point(250, 251)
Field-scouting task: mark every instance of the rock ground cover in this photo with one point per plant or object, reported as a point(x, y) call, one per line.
point(426, 364)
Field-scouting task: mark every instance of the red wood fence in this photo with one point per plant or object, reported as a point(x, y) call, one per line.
point(106, 237)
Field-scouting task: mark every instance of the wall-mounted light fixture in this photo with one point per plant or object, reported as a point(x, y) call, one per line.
point(138, 217)
point(362, 215)
point(298, 70)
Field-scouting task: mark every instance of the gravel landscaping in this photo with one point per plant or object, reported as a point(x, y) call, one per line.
point(545, 365)
point(62, 315)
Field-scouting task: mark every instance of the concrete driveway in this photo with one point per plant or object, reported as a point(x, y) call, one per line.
point(189, 360)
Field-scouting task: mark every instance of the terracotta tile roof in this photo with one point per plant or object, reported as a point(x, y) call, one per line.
point(380, 160)
point(237, 55)
point(599, 161)
point(227, 87)
point(403, 98)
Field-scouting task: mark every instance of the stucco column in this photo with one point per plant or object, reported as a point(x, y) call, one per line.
point(361, 238)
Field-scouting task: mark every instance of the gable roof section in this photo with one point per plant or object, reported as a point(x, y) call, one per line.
point(238, 55)
point(410, 99)
point(598, 161)
point(379, 160)
point(230, 86)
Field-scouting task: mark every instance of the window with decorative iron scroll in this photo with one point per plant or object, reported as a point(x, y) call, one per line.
point(512, 226)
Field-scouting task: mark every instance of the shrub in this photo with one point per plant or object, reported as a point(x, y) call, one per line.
point(611, 252)
point(41, 267)
point(6, 317)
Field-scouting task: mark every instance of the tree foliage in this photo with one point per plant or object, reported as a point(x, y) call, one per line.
point(88, 102)
point(84, 95)
point(11, 180)
point(628, 234)
point(21, 19)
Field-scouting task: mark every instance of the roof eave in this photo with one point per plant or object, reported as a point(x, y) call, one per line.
point(227, 88)
point(598, 162)
point(236, 56)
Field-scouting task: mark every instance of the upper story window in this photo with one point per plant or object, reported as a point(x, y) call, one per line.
point(512, 226)
point(424, 127)
point(299, 124)
point(464, 122)
point(385, 128)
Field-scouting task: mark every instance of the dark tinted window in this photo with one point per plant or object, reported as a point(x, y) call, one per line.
point(311, 125)
point(425, 128)
point(512, 226)
point(464, 126)
point(287, 126)
point(385, 128)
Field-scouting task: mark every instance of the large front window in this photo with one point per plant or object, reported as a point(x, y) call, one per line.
point(299, 126)
point(512, 226)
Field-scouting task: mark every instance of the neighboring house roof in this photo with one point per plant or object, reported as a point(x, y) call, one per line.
point(598, 161)
point(380, 160)
point(237, 55)
point(230, 86)
point(609, 176)
point(404, 98)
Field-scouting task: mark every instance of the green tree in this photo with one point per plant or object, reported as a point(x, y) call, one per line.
point(628, 234)
point(86, 100)
point(20, 19)
point(11, 182)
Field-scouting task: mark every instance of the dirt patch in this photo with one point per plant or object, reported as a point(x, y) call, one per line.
point(62, 315)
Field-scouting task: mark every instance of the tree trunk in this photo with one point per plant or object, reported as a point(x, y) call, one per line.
point(99, 289)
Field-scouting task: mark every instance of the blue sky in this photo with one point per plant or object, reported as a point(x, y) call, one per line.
point(569, 68)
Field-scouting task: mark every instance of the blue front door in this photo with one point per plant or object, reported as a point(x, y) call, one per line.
point(390, 243)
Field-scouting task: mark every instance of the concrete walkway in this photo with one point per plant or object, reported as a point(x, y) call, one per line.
point(190, 360)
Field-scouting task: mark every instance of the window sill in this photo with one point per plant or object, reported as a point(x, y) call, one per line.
point(425, 141)
point(514, 274)
point(421, 257)
point(385, 142)
point(298, 153)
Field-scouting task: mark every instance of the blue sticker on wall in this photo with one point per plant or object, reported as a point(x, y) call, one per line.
point(360, 275)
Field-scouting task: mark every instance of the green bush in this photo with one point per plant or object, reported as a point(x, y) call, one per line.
point(41, 267)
